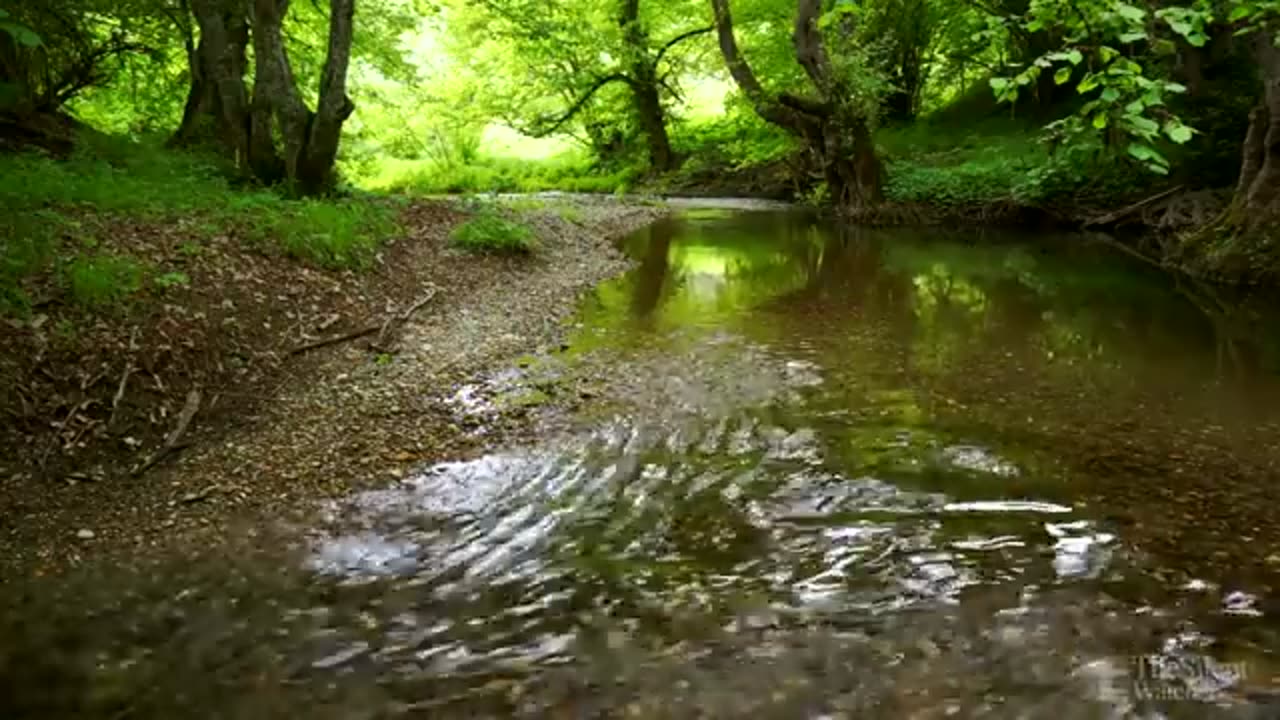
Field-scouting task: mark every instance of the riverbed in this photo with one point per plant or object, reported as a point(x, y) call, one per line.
point(783, 469)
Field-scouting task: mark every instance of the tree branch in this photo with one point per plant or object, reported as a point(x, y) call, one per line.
point(677, 40)
point(806, 105)
point(745, 78)
point(810, 53)
point(577, 106)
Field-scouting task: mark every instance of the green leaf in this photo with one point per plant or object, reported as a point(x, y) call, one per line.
point(1240, 12)
point(1062, 76)
point(1142, 152)
point(1177, 132)
point(1135, 108)
point(999, 83)
point(1131, 37)
point(21, 34)
point(1150, 157)
point(1130, 12)
point(1100, 120)
point(1110, 95)
point(1108, 53)
point(1075, 57)
point(1143, 126)
point(1089, 82)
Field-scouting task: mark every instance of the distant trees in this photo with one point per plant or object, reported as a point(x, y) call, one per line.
point(566, 54)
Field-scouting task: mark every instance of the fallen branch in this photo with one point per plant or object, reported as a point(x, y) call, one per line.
point(1114, 217)
point(383, 329)
point(57, 437)
point(326, 342)
point(171, 443)
point(124, 380)
point(1137, 255)
point(404, 317)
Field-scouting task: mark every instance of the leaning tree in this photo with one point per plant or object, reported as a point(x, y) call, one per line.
point(835, 119)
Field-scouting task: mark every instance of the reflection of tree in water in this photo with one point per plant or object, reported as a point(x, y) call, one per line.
point(651, 275)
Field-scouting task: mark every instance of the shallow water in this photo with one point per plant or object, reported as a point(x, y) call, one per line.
point(821, 473)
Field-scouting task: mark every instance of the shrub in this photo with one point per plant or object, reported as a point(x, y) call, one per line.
point(489, 232)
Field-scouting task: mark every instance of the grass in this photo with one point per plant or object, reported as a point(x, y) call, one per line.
point(489, 232)
point(950, 163)
point(567, 173)
point(939, 165)
point(44, 202)
point(103, 279)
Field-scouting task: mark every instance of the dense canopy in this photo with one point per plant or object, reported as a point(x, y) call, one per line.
point(868, 106)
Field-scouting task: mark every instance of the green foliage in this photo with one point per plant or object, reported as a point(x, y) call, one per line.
point(52, 213)
point(103, 279)
point(489, 232)
point(172, 280)
point(997, 161)
point(27, 242)
point(737, 139)
point(491, 174)
point(938, 165)
point(328, 233)
point(21, 33)
point(114, 176)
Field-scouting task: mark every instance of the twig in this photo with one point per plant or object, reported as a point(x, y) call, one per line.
point(404, 317)
point(383, 329)
point(57, 436)
point(1102, 237)
point(326, 342)
point(124, 381)
point(171, 443)
point(1113, 217)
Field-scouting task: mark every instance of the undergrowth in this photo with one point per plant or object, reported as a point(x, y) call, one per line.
point(997, 161)
point(121, 186)
point(489, 232)
point(493, 174)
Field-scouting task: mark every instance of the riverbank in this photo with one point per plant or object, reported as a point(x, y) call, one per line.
point(260, 389)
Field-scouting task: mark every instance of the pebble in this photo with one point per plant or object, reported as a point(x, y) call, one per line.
point(85, 534)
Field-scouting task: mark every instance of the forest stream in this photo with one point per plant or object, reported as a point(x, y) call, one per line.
point(815, 472)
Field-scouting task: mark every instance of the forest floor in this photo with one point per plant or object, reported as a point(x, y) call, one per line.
point(206, 406)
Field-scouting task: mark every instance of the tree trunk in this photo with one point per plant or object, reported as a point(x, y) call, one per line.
point(320, 155)
point(851, 167)
point(644, 88)
point(838, 137)
point(217, 103)
point(1262, 146)
point(1253, 151)
point(308, 142)
point(273, 136)
point(277, 107)
point(652, 117)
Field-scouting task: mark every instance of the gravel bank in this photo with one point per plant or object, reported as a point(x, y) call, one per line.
point(346, 417)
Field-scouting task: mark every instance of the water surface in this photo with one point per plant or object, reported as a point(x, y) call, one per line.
point(818, 472)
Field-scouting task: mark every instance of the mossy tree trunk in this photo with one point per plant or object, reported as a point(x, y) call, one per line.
point(1257, 201)
point(274, 136)
point(832, 128)
point(644, 82)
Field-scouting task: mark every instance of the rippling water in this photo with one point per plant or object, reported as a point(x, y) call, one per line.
point(825, 474)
